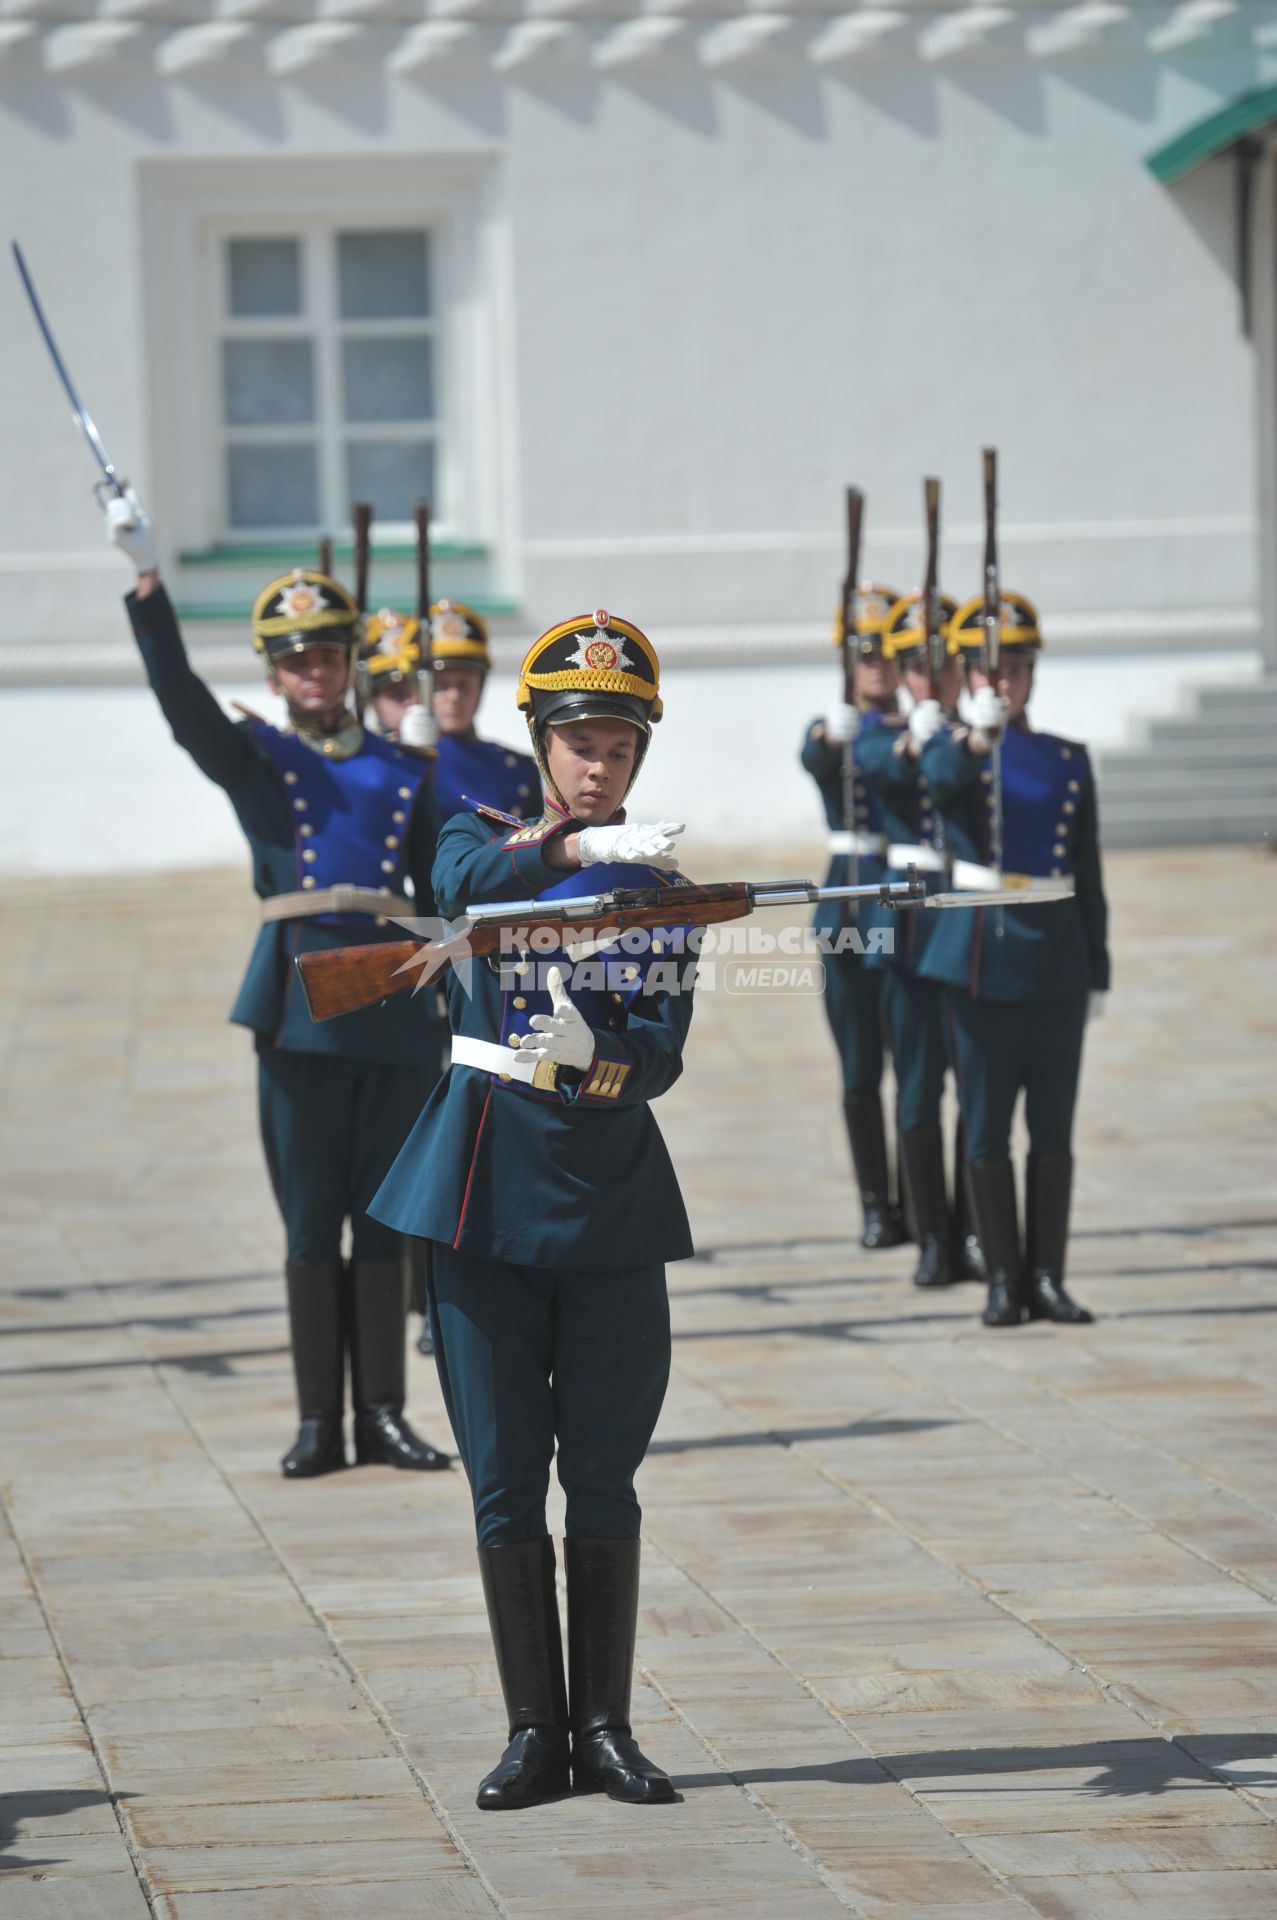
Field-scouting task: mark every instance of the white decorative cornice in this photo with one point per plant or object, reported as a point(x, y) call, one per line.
point(1075, 28)
point(431, 44)
point(532, 40)
point(852, 35)
point(1195, 20)
point(634, 40)
point(202, 45)
point(948, 36)
point(748, 38)
point(312, 45)
point(88, 43)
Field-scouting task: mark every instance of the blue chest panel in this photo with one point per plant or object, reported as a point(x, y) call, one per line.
point(868, 818)
point(602, 984)
point(1043, 782)
point(481, 770)
point(350, 817)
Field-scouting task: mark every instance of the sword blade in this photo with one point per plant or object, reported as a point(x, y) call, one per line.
point(79, 411)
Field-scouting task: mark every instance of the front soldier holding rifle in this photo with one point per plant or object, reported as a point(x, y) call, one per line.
point(338, 823)
point(539, 1176)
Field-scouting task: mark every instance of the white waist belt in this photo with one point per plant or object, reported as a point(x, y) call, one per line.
point(512, 1063)
point(339, 899)
point(926, 859)
point(864, 844)
point(970, 878)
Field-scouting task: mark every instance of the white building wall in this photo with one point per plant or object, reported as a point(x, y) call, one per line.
point(712, 289)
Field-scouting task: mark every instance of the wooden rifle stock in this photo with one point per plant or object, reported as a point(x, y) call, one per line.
point(932, 625)
point(338, 980)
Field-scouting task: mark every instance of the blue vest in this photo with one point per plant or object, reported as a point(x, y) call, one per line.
point(349, 815)
point(471, 771)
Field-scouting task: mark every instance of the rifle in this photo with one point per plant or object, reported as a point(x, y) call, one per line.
point(425, 637)
point(932, 622)
point(855, 511)
point(361, 515)
point(991, 650)
point(343, 979)
point(933, 618)
point(326, 555)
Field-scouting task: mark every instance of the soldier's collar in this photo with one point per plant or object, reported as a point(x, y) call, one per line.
point(342, 745)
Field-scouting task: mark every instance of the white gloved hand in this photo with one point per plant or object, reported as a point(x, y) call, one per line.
point(418, 727)
point(649, 846)
point(562, 1036)
point(840, 723)
point(989, 712)
point(129, 529)
point(1095, 1003)
point(926, 719)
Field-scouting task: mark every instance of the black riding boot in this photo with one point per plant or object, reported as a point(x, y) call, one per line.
point(922, 1166)
point(523, 1613)
point(314, 1320)
point(968, 1260)
point(993, 1193)
point(378, 1363)
point(1048, 1192)
point(883, 1225)
point(603, 1581)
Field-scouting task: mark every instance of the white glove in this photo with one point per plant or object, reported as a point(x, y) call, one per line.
point(129, 529)
point(1095, 1006)
point(561, 1036)
point(840, 723)
point(926, 719)
point(418, 727)
point(649, 846)
point(989, 712)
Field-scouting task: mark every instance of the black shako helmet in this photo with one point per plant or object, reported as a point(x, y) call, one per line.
point(592, 667)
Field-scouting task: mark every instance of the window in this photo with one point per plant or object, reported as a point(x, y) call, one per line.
point(328, 378)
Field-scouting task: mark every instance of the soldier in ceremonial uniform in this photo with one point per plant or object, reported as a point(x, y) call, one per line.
point(888, 759)
point(539, 1176)
point(853, 991)
point(1019, 983)
point(467, 768)
point(338, 823)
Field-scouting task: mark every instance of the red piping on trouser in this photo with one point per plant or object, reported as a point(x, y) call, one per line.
point(474, 1155)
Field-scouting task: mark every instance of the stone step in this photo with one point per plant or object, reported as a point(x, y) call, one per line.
point(1151, 782)
point(1197, 749)
point(1181, 824)
point(1245, 702)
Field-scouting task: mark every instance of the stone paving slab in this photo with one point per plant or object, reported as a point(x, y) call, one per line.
point(936, 1622)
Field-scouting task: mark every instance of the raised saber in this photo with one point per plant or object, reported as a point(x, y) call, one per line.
point(79, 412)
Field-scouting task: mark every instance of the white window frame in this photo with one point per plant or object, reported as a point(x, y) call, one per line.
point(189, 209)
point(321, 321)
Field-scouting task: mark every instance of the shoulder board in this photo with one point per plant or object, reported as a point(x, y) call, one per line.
point(254, 719)
point(532, 832)
point(493, 813)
